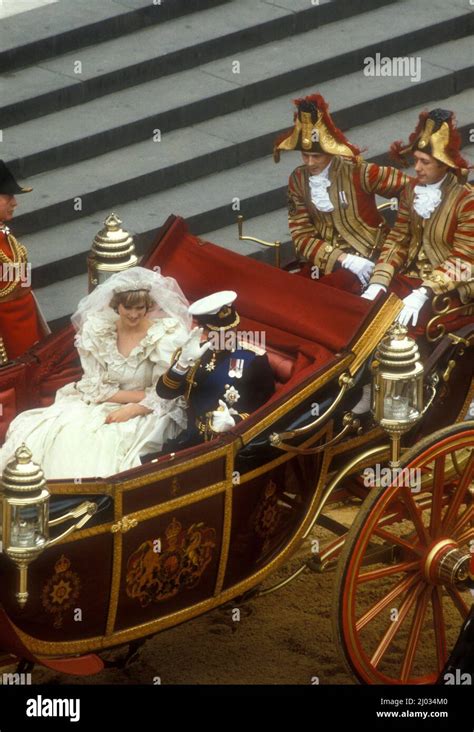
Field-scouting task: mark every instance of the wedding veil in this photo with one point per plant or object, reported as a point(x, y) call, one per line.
point(165, 291)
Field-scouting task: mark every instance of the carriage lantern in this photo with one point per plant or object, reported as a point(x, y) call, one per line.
point(25, 507)
point(24, 520)
point(112, 250)
point(397, 387)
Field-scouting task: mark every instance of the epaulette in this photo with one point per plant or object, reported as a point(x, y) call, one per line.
point(251, 347)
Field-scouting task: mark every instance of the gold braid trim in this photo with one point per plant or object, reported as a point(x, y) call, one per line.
point(20, 256)
point(3, 353)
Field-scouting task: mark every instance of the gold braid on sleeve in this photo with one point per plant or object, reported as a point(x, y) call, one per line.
point(19, 257)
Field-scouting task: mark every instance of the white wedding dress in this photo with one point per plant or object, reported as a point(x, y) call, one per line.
point(70, 439)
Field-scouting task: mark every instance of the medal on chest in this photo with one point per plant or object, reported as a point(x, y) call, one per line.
point(212, 363)
point(231, 395)
point(236, 368)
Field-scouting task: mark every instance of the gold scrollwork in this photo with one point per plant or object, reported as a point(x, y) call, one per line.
point(441, 306)
point(123, 525)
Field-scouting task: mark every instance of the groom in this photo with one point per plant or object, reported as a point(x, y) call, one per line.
point(223, 379)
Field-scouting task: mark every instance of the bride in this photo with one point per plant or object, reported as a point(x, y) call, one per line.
point(127, 331)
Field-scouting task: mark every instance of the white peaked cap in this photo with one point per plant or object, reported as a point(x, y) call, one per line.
point(211, 304)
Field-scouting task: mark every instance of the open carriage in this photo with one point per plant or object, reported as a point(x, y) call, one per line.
point(190, 531)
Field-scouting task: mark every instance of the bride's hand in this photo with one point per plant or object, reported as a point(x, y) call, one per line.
point(125, 413)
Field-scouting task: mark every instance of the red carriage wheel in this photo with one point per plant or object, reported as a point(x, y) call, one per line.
point(400, 593)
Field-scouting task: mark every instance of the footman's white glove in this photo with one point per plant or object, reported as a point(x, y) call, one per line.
point(192, 349)
point(222, 420)
point(359, 266)
point(372, 291)
point(412, 306)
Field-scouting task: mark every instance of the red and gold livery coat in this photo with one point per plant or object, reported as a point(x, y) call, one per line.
point(355, 225)
point(439, 251)
point(20, 327)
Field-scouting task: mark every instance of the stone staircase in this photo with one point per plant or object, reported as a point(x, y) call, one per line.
point(150, 110)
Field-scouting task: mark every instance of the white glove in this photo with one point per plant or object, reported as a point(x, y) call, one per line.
point(373, 290)
point(192, 349)
point(413, 304)
point(359, 266)
point(222, 420)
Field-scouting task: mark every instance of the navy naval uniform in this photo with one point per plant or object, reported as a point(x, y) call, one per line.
point(242, 378)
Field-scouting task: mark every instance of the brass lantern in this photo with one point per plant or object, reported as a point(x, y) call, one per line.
point(25, 514)
point(397, 387)
point(24, 519)
point(113, 250)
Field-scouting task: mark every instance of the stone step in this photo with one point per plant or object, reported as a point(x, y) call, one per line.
point(160, 50)
point(59, 300)
point(273, 226)
point(181, 156)
point(30, 37)
point(193, 96)
point(59, 253)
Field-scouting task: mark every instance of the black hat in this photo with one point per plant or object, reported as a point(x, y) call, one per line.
point(8, 184)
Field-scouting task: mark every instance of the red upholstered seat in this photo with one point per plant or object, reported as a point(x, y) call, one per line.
point(281, 364)
point(291, 310)
point(304, 323)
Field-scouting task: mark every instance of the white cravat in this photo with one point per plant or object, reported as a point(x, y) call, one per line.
point(427, 198)
point(319, 194)
point(4, 229)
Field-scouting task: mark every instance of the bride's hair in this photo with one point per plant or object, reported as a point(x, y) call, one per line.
point(132, 299)
point(162, 297)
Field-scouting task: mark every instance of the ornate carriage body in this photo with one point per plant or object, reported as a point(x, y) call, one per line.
point(186, 533)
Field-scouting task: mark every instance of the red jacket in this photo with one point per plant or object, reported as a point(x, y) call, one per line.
point(20, 326)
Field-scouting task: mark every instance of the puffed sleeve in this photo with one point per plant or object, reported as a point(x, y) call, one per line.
point(92, 344)
point(168, 336)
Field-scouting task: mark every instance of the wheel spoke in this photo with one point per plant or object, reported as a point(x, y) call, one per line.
point(376, 574)
point(415, 515)
point(377, 608)
point(415, 633)
point(466, 536)
point(395, 625)
point(439, 627)
point(437, 505)
point(464, 518)
point(399, 541)
point(455, 463)
point(457, 498)
point(382, 575)
point(458, 601)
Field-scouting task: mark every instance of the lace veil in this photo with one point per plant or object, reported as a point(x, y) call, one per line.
point(165, 291)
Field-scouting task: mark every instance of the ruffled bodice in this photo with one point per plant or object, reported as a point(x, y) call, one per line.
point(71, 438)
point(107, 371)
